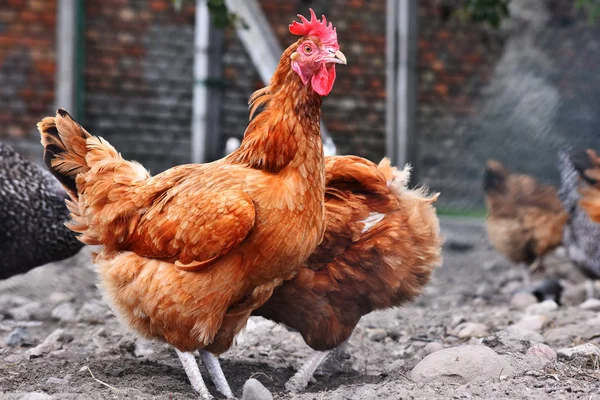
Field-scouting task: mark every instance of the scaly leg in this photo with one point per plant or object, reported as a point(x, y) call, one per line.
point(336, 362)
point(211, 362)
point(300, 380)
point(193, 373)
point(589, 286)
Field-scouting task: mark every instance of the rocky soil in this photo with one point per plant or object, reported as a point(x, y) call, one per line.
point(468, 336)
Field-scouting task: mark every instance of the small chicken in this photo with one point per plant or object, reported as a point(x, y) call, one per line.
point(581, 236)
point(525, 219)
point(381, 244)
point(33, 214)
point(188, 254)
point(588, 165)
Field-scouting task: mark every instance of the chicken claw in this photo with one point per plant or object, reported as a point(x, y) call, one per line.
point(212, 364)
point(193, 373)
point(301, 379)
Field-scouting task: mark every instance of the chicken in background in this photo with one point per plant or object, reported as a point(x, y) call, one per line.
point(381, 244)
point(188, 254)
point(588, 165)
point(581, 236)
point(33, 214)
point(525, 219)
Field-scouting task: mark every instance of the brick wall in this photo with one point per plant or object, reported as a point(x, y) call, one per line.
point(27, 70)
point(456, 62)
point(139, 78)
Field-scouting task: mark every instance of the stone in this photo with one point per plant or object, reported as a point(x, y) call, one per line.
point(26, 311)
point(583, 350)
point(142, 348)
point(57, 381)
point(18, 336)
point(64, 312)
point(543, 308)
point(532, 322)
point(543, 351)
point(432, 347)
point(52, 343)
point(590, 304)
point(469, 330)
point(35, 396)
point(254, 390)
point(93, 313)
point(376, 335)
point(512, 340)
point(522, 300)
point(461, 365)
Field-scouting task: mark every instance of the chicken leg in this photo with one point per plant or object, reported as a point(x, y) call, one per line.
point(193, 373)
point(301, 379)
point(212, 364)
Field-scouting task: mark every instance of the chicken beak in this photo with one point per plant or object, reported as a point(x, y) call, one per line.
point(338, 58)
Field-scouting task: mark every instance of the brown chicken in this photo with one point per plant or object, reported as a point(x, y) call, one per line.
point(381, 244)
point(588, 166)
point(525, 219)
point(188, 254)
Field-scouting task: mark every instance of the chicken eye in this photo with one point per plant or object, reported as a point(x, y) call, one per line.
point(307, 49)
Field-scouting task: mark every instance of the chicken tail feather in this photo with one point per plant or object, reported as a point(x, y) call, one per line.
point(494, 177)
point(64, 144)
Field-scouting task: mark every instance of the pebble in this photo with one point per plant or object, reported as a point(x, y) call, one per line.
point(376, 335)
point(512, 340)
point(470, 329)
point(583, 350)
point(142, 348)
point(532, 322)
point(35, 396)
point(64, 312)
point(52, 343)
point(543, 351)
point(543, 308)
point(254, 390)
point(18, 336)
point(590, 304)
point(522, 300)
point(57, 381)
point(461, 365)
point(457, 320)
point(432, 347)
point(25, 311)
point(93, 312)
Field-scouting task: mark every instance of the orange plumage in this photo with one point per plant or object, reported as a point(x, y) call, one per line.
point(381, 244)
point(525, 218)
point(588, 165)
point(189, 253)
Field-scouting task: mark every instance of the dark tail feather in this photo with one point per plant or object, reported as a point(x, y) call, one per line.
point(582, 161)
point(64, 144)
point(494, 177)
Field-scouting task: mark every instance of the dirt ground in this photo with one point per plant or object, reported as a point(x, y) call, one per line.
point(474, 285)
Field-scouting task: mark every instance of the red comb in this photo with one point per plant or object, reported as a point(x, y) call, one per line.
point(314, 27)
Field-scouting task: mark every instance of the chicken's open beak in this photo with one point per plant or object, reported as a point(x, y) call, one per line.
point(338, 58)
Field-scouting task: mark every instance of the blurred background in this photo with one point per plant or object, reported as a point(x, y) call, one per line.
point(167, 82)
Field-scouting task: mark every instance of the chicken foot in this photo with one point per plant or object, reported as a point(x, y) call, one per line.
point(301, 379)
point(193, 373)
point(212, 364)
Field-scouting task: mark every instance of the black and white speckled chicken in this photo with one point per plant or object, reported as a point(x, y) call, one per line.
point(32, 216)
point(581, 235)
